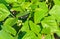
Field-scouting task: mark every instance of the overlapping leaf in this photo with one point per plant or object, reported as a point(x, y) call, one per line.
point(35, 28)
point(40, 12)
point(11, 1)
point(5, 35)
point(55, 11)
point(57, 2)
point(9, 29)
point(49, 22)
point(10, 21)
point(4, 12)
point(25, 27)
point(30, 35)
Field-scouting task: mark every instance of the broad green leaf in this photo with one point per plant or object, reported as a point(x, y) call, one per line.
point(58, 33)
point(48, 36)
point(55, 11)
point(9, 29)
point(10, 22)
point(52, 37)
point(42, 5)
point(4, 12)
point(30, 35)
point(3, 1)
point(26, 5)
point(16, 7)
point(35, 28)
point(46, 31)
point(21, 1)
point(21, 7)
point(40, 12)
point(39, 36)
point(22, 14)
point(25, 27)
point(5, 35)
point(49, 22)
point(11, 1)
point(57, 2)
point(33, 6)
point(34, 1)
point(38, 15)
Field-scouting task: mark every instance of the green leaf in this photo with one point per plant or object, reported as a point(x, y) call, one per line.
point(43, 6)
point(11, 1)
point(10, 21)
point(38, 15)
point(21, 1)
point(46, 31)
point(5, 35)
point(55, 11)
point(34, 1)
point(48, 36)
point(49, 22)
point(35, 28)
point(26, 5)
point(52, 37)
point(16, 7)
point(25, 27)
point(22, 14)
point(4, 12)
point(57, 2)
point(58, 33)
point(40, 12)
point(30, 35)
point(9, 29)
point(33, 6)
point(3, 1)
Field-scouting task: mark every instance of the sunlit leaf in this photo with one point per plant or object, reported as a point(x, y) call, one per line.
point(57, 2)
point(55, 11)
point(25, 27)
point(5, 35)
point(4, 12)
point(49, 22)
point(35, 28)
point(40, 13)
point(30, 35)
point(11, 1)
point(48, 36)
point(10, 21)
point(9, 29)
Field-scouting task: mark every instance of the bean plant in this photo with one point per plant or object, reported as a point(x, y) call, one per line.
point(29, 19)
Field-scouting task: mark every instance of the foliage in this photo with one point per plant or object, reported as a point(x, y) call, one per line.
point(29, 19)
